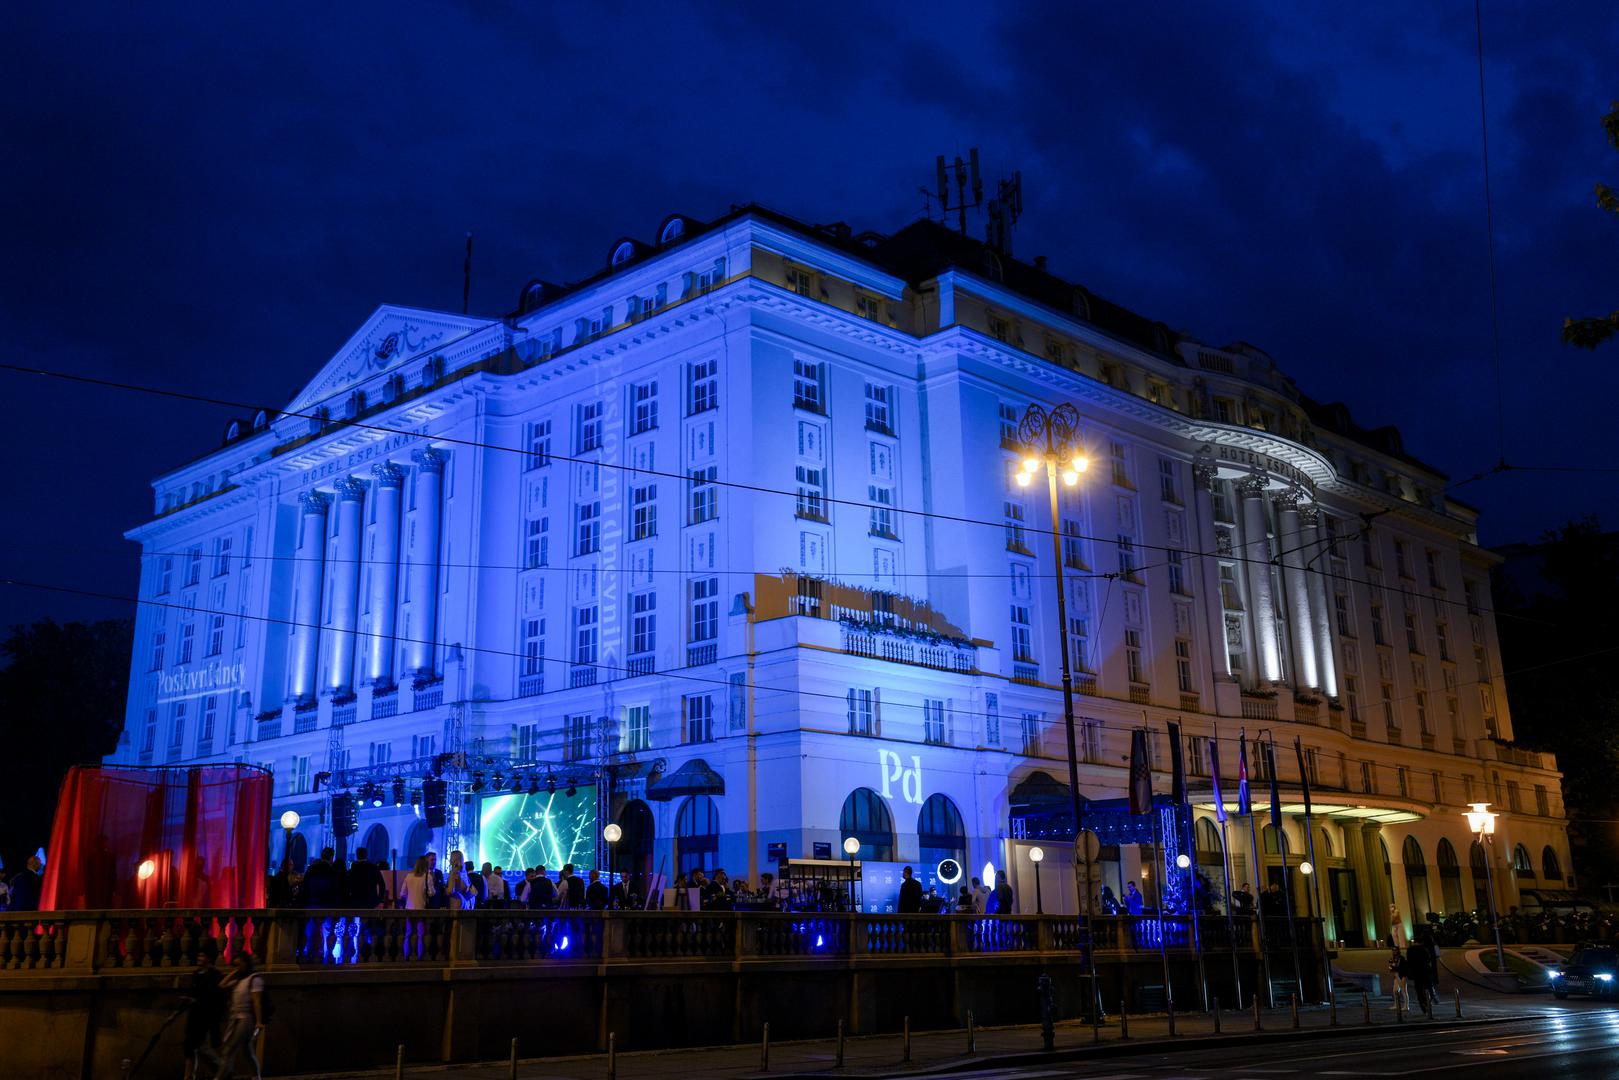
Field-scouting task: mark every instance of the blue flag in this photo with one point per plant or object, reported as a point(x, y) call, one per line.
point(1214, 775)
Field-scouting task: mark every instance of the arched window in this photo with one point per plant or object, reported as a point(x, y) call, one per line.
point(416, 844)
point(376, 844)
point(1206, 842)
point(1522, 865)
point(940, 833)
point(1416, 880)
point(1273, 846)
point(673, 229)
point(1550, 868)
point(1323, 842)
point(865, 816)
point(697, 834)
point(1450, 877)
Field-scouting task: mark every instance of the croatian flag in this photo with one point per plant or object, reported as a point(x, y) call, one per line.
point(1245, 803)
point(1140, 774)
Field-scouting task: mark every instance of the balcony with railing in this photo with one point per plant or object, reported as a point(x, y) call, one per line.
point(1140, 694)
point(582, 675)
point(384, 702)
point(305, 718)
point(429, 695)
point(344, 713)
point(531, 685)
point(1257, 706)
point(702, 654)
point(1027, 674)
point(637, 666)
point(269, 725)
point(877, 642)
point(1190, 702)
point(1307, 710)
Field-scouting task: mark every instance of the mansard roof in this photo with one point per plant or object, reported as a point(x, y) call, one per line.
point(388, 339)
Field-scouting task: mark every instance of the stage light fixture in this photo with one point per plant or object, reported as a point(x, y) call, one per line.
point(399, 791)
point(550, 784)
point(477, 781)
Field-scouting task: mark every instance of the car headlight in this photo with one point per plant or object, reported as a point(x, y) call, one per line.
point(1553, 973)
point(1604, 976)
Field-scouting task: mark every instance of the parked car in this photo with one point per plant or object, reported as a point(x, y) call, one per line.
point(1591, 970)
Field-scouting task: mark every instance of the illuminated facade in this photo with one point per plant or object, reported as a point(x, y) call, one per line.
point(731, 527)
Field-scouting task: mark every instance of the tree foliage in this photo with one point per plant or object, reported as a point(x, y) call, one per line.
point(62, 694)
point(1590, 332)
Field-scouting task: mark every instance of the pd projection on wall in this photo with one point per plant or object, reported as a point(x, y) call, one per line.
point(545, 829)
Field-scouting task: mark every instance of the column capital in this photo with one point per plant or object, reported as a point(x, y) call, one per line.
point(1204, 472)
point(387, 474)
point(351, 489)
point(1310, 515)
point(1288, 501)
point(1252, 487)
point(315, 502)
point(430, 460)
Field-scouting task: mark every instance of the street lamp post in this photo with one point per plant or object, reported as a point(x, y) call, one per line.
point(1051, 439)
point(851, 848)
point(1037, 856)
point(612, 834)
point(1482, 823)
point(289, 822)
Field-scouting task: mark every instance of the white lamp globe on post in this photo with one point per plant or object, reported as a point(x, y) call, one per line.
point(612, 834)
point(1482, 824)
point(851, 848)
point(289, 822)
point(1037, 856)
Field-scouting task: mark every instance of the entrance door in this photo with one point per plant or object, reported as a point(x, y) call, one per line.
point(1346, 902)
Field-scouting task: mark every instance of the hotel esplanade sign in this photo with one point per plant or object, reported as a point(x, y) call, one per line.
point(1241, 462)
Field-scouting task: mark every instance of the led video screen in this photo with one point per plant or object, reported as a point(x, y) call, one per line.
point(517, 831)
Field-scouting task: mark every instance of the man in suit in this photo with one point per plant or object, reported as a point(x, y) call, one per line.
point(365, 886)
point(25, 887)
point(541, 892)
point(323, 885)
point(910, 893)
point(596, 894)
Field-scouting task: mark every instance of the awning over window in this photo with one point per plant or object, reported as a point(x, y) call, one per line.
point(695, 777)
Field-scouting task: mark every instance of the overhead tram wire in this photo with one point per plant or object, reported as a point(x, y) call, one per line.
point(683, 674)
point(682, 479)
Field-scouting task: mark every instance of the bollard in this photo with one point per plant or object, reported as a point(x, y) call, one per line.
point(907, 1057)
point(1295, 1007)
point(1048, 1013)
point(512, 1073)
point(1257, 1025)
point(1217, 1016)
point(764, 1049)
point(1458, 1004)
point(1169, 1007)
point(971, 1034)
point(1366, 1003)
point(838, 1061)
point(612, 1055)
point(1399, 1006)
point(1332, 1009)
point(399, 1062)
point(1124, 1021)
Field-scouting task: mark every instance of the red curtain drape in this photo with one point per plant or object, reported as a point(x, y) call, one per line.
point(205, 831)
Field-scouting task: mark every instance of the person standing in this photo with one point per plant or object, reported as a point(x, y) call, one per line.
point(364, 880)
point(246, 1019)
point(201, 1040)
point(1420, 976)
point(596, 894)
point(542, 891)
point(499, 891)
point(910, 893)
point(1001, 900)
point(980, 897)
point(322, 889)
point(416, 885)
point(574, 891)
point(25, 887)
point(457, 885)
point(1134, 902)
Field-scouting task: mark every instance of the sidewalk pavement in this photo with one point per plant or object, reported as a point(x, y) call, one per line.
point(878, 1055)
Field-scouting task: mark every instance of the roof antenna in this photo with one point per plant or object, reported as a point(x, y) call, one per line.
point(1004, 210)
point(959, 171)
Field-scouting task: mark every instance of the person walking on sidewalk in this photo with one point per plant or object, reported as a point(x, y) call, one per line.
point(1420, 976)
point(246, 1016)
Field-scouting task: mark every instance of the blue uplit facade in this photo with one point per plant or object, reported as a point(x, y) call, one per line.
point(730, 529)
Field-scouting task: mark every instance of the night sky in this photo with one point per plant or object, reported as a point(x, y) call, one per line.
point(213, 199)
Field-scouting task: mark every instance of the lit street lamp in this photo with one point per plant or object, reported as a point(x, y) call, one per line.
point(612, 834)
point(1482, 824)
point(289, 822)
point(851, 848)
point(1037, 856)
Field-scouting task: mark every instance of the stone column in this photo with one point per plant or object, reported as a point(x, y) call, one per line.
point(1299, 622)
point(345, 585)
point(422, 563)
point(1355, 859)
point(1382, 884)
point(383, 597)
point(308, 583)
point(1326, 663)
point(1204, 477)
point(1261, 604)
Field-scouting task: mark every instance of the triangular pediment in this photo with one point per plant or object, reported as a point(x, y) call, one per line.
point(390, 338)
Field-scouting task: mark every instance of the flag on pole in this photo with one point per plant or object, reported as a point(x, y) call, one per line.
point(1275, 795)
point(1214, 775)
point(1245, 800)
point(1304, 774)
point(1140, 774)
point(1177, 767)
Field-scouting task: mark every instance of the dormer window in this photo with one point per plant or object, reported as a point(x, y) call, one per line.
point(672, 230)
point(623, 253)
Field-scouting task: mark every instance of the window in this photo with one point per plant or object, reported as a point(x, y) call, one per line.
point(933, 722)
point(584, 635)
point(1431, 557)
point(865, 817)
point(1167, 488)
point(149, 738)
point(807, 599)
point(1073, 555)
point(1368, 548)
point(1079, 637)
point(644, 407)
point(1121, 463)
point(699, 718)
point(221, 555)
point(1032, 723)
point(1469, 595)
point(588, 533)
point(1423, 723)
point(811, 493)
point(1340, 607)
point(999, 328)
point(380, 753)
point(539, 542)
point(863, 713)
point(216, 635)
point(423, 746)
point(992, 719)
point(800, 281)
point(298, 776)
point(1230, 595)
point(878, 403)
point(1055, 352)
point(1222, 410)
point(1388, 704)
point(1132, 656)
point(205, 732)
point(644, 512)
point(1009, 436)
point(1402, 561)
point(704, 494)
point(188, 636)
point(1403, 777)
point(1183, 666)
point(643, 623)
point(177, 729)
point(697, 834)
point(882, 510)
point(575, 737)
point(1377, 625)
point(1368, 778)
point(636, 733)
point(1177, 572)
point(809, 386)
point(1127, 558)
point(533, 645)
point(159, 637)
point(1016, 535)
point(1222, 504)
point(539, 444)
point(868, 307)
point(705, 609)
point(1411, 643)
point(193, 566)
point(590, 427)
point(1442, 632)
point(702, 387)
point(1352, 697)
point(165, 575)
point(1022, 644)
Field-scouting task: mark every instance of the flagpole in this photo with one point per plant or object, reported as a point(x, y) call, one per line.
point(1258, 873)
point(1315, 878)
point(1189, 849)
point(1163, 946)
point(1225, 862)
point(1287, 877)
